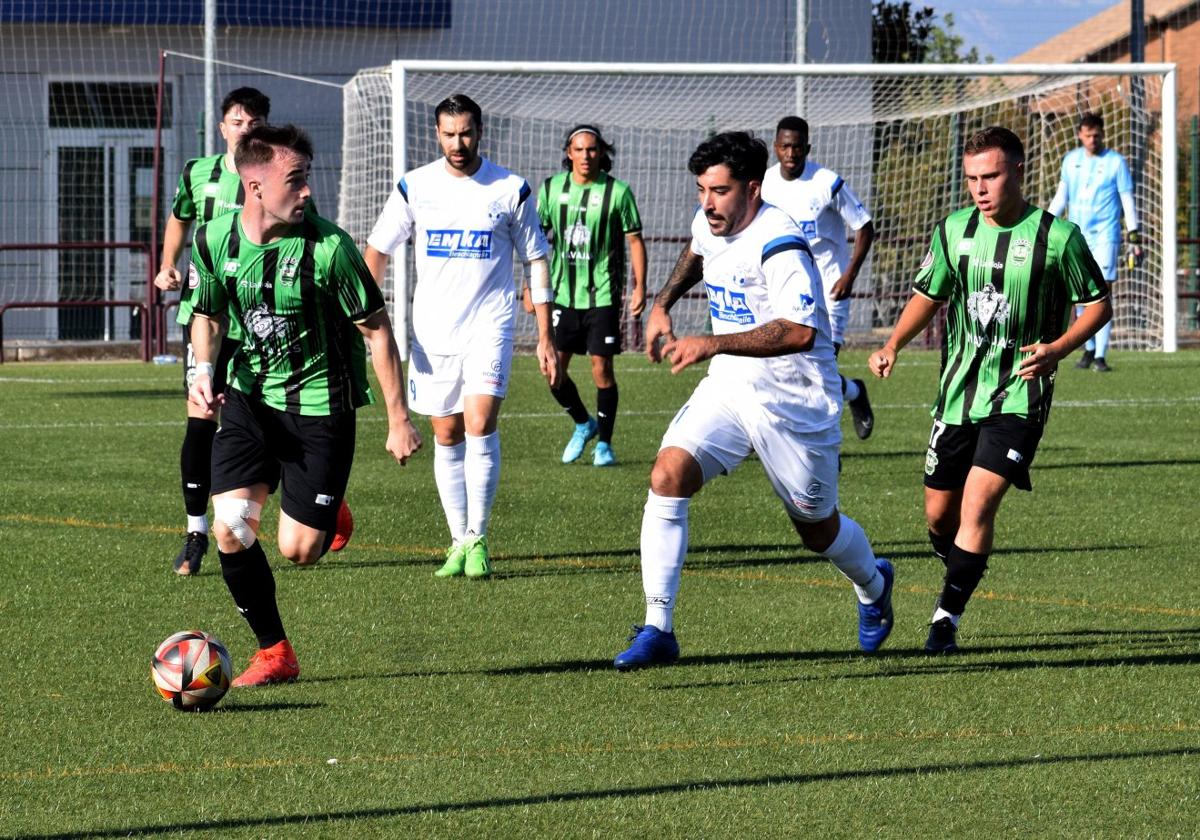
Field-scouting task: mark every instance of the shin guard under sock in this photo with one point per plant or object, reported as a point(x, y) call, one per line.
point(248, 576)
point(195, 464)
point(964, 570)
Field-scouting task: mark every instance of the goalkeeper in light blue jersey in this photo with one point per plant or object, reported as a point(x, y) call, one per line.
point(1096, 189)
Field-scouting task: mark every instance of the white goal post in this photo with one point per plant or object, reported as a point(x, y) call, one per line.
point(894, 132)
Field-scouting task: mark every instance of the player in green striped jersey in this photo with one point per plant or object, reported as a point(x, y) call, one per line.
point(1009, 274)
point(591, 217)
point(208, 187)
point(305, 299)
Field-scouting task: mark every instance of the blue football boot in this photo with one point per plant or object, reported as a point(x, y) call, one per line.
point(875, 619)
point(583, 433)
point(650, 647)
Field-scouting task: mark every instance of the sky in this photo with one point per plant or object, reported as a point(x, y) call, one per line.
point(1004, 29)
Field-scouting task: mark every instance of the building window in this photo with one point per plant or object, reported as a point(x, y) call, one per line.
point(107, 105)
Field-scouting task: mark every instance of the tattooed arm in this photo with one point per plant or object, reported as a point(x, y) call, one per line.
point(688, 271)
point(774, 338)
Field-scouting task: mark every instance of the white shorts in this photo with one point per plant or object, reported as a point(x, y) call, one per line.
point(1105, 254)
point(438, 384)
point(719, 431)
point(839, 316)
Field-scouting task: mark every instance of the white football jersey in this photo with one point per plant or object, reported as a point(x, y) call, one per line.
point(823, 205)
point(764, 273)
point(464, 231)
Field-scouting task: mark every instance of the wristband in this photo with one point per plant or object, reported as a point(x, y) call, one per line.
point(205, 369)
point(543, 294)
point(1133, 237)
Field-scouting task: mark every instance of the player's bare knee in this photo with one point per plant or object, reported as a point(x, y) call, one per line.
point(306, 558)
point(818, 535)
point(675, 474)
point(299, 551)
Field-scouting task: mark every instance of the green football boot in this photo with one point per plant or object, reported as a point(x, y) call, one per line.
point(456, 559)
point(478, 565)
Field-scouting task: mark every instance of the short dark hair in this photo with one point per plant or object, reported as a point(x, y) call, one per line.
point(253, 101)
point(258, 146)
point(744, 154)
point(996, 137)
point(606, 149)
point(1091, 119)
point(456, 105)
point(793, 123)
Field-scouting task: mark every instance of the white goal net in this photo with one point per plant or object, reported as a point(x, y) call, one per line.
point(895, 134)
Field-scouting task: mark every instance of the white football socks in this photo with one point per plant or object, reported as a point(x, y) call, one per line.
point(452, 486)
point(851, 553)
point(197, 524)
point(940, 613)
point(481, 468)
point(664, 546)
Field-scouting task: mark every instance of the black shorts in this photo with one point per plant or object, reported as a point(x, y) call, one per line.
point(596, 332)
point(1004, 444)
point(309, 456)
point(220, 366)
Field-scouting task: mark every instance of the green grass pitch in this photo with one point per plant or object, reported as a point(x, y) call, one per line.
point(432, 708)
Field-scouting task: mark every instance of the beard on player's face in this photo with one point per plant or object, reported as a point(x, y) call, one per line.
point(461, 157)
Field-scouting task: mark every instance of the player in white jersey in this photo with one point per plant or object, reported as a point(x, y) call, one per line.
point(465, 216)
point(1096, 189)
point(823, 205)
point(772, 388)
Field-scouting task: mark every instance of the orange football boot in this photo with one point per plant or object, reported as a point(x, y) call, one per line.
point(343, 529)
point(276, 664)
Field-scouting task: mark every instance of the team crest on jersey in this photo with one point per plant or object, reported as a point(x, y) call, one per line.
point(578, 235)
point(260, 322)
point(727, 305)
point(459, 244)
point(287, 269)
point(497, 213)
point(1020, 251)
point(988, 305)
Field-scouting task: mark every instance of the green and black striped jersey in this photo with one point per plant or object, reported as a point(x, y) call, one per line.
point(590, 223)
point(207, 189)
point(1006, 287)
point(298, 300)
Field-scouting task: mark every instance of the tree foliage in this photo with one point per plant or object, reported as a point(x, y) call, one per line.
point(902, 33)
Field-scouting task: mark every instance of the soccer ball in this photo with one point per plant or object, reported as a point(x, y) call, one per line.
point(191, 670)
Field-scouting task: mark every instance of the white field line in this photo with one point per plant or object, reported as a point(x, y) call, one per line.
point(632, 365)
point(375, 417)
